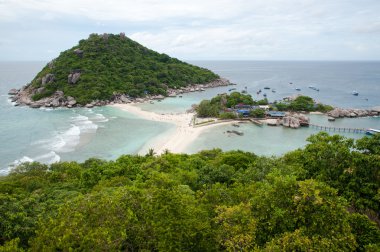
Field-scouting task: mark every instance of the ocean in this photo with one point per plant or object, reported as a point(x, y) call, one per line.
point(51, 135)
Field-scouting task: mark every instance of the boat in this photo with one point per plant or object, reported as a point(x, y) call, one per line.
point(265, 95)
point(231, 89)
point(331, 119)
point(273, 90)
point(355, 93)
point(290, 83)
point(372, 131)
point(244, 91)
point(266, 87)
point(239, 133)
point(298, 89)
point(314, 88)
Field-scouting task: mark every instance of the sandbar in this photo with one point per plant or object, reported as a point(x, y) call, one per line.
point(174, 141)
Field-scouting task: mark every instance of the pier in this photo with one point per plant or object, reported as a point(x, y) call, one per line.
point(338, 129)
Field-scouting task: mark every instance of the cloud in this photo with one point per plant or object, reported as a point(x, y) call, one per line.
point(212, 29)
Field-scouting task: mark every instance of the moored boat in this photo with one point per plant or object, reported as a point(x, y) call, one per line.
point(355, 93)
point(372, 131)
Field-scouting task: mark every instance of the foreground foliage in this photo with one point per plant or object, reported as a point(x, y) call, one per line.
point(111, 64)
point(324, 197)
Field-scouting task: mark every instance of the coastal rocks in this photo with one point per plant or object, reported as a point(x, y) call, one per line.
point(73, 78)
point(13, 91)
point(71, 101)
point(352, 113)
point(295, 121)
point(291, 122)
point(47, 79)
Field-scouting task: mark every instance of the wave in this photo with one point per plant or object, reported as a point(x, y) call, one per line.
point(100, 118)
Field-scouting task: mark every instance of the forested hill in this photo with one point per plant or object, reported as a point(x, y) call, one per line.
point(103, 65)
point(324, 197)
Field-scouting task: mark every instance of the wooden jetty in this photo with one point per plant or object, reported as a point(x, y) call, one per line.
point(257, 122)
point(338, 129)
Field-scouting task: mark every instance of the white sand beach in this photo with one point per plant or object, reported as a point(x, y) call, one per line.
point(176, 141)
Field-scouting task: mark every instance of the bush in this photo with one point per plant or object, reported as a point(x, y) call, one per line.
point(227, 115)
point(257, 113)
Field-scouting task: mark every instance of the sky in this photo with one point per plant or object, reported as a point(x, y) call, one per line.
point(197, 29)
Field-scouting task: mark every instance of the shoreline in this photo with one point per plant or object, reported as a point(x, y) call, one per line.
point(175, 141)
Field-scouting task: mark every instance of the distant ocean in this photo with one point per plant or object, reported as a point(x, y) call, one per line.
point(48, 135)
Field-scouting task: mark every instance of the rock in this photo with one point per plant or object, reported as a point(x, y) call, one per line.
point(47, 79)
point(73, 78)
point(35, 105)
point(40, 90)
point(124, 99)
point(13, 91)
point(71, 101)
point(55, 102)
point(352, 115)
point(89, 105)
point(122, 35)
point(51, 64)
point(335, 113)
point(78, 52)
point(58, 93)
point(291, 122)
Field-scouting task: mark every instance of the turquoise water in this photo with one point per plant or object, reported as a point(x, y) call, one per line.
point(48, 135)
point(267, 140)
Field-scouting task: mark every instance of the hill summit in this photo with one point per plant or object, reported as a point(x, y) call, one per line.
point(106, 68)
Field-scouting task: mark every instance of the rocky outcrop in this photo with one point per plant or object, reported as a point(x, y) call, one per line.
point(47, 79)
point(352, 113)
point(78, 52)
point(295, 120)
point(58, 99)
point(73, 78)
point(13, 91)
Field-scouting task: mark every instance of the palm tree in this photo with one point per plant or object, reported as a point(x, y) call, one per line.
point(151, 152)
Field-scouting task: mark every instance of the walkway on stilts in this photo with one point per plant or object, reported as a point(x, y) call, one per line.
point(338, 129)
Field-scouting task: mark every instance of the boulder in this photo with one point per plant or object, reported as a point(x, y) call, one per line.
point(40, 90)
point(89, 105)
point(48, 78)
point(73, 78)
point(55, 102)
point(78, 52)
point(13, 91)
point(124, 99)
point(291, 122)
point(35, 105)
point(71, 101)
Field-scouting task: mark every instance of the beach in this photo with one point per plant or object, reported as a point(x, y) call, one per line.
point(175, 141)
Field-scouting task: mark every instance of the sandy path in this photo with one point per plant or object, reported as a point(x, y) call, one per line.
point(177, 140)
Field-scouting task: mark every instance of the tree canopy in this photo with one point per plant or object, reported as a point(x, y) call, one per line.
point(324, 197)
point(110, 64)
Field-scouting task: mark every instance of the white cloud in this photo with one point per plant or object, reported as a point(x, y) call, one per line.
point(249, 29)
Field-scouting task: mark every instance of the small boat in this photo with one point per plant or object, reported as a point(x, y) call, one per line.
point(298, 89)
point(355, 93)
point(265, 95)
point(372, 131)
point(273, 90)
point(314, 88)
point(244, 91)
point(239, 133)
point(290, 83)
point(266, 87)
point(231, 89)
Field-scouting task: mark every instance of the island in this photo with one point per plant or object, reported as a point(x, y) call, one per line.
point(111, 68)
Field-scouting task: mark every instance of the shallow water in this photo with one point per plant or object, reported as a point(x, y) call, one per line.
point(48, 135)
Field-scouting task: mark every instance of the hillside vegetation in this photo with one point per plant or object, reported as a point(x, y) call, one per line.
point(103, 65)
point(325, 197)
